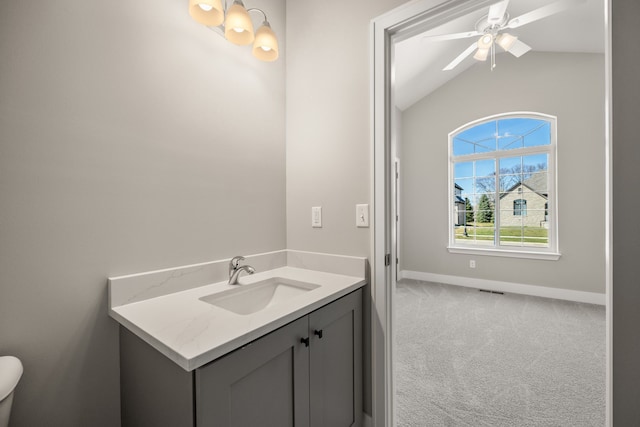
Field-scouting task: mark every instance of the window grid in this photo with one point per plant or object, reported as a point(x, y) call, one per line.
point(510, 234)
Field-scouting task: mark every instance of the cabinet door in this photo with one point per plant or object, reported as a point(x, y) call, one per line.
point(265, 383)
point(336, 363)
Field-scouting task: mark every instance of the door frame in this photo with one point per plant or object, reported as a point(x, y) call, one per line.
point(400, 23)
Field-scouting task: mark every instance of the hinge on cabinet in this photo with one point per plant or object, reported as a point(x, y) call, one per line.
point(387, 260)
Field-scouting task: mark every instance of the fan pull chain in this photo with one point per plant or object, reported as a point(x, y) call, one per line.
point(493, 56)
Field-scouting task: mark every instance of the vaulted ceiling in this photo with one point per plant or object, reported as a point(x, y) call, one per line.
point(419, 61)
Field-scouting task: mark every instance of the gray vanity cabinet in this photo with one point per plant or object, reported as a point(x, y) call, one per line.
point(265, 383)
point(336, 363)
point(305, 374)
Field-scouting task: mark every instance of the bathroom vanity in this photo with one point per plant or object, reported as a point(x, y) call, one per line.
point(198, 355)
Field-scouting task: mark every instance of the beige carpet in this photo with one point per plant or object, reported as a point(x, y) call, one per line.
point(470, 358)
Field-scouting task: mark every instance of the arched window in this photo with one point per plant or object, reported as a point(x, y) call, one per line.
point(504, 165)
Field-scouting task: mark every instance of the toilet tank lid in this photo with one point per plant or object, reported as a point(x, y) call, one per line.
point(10, 373)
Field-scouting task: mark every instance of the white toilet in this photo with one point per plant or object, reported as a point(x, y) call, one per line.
point(10, 373)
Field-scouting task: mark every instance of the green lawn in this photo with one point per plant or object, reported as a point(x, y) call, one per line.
point(485, 232)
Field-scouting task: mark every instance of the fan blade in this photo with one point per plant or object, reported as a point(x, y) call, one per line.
point(452, 36)
point(497, 11)
point(543, 12)
point(453, 64)
point(519, 48)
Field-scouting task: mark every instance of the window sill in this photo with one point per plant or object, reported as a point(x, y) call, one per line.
point(508, 253)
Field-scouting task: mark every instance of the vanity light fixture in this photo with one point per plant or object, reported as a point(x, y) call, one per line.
point(236, 26)
point(207, 12)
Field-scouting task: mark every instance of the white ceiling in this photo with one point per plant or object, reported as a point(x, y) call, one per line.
point(419, 62)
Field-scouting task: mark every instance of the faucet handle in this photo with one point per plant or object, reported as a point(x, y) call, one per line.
point(236, 260)
point(233, 264)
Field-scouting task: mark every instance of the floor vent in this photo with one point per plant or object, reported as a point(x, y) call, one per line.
point(491, 292)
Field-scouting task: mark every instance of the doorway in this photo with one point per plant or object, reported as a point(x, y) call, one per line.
point(394, 27)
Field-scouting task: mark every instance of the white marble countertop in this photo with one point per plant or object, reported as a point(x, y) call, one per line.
point(193, 333)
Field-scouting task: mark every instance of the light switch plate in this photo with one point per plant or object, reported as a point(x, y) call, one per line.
point(316, 217)
point(362, 215)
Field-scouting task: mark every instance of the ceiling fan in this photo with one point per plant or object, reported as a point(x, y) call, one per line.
point(491, 29)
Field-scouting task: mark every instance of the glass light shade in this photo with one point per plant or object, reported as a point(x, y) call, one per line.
point(265, 45)
point(238, 28)
point(481, 54)
point(485, 41)
point(207, 12)
point(506, 41)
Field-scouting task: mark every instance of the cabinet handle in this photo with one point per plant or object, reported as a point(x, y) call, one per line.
point(318, 333)
point(305, 341)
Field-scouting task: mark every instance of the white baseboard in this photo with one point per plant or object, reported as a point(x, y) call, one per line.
point(515, 288)
point(366, 420)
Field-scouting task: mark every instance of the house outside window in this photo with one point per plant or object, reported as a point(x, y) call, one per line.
point(502, 175)
point(459, 215)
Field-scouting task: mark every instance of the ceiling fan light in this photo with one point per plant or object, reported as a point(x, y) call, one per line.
point(485, 41)
point(506, 41)
point(207, 12)
point(481, 54)
point(238, 28)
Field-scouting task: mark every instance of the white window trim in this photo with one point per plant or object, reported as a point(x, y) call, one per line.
point(550, 253)
point(511, 253)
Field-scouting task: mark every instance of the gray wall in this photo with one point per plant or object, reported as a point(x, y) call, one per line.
point(328, 139)
point(328, 110)
point(131, 139)
point(328, 129)
point(569, 86)
point(626, 203)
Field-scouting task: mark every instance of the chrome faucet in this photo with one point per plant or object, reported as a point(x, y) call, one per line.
point(234, 263)
point(235, 269)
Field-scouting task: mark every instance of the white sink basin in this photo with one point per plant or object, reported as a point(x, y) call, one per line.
point(248, 299)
